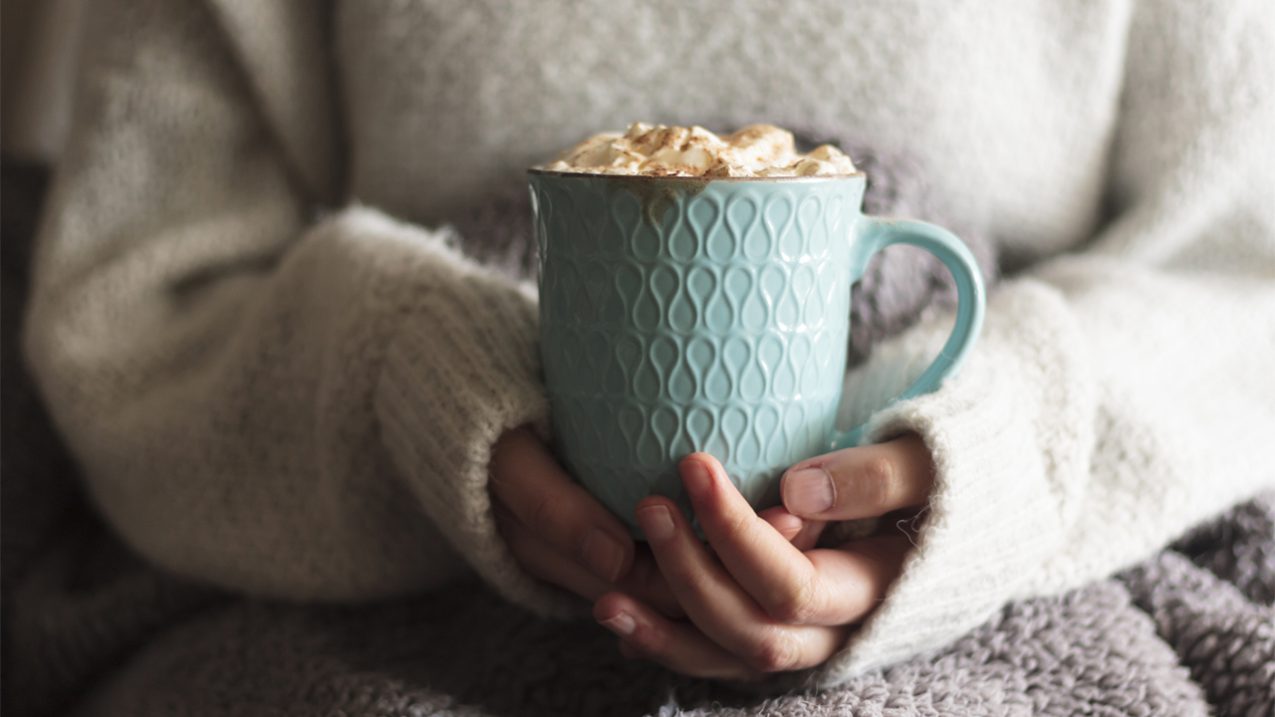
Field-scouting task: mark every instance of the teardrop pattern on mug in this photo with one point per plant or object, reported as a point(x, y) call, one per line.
point(720, 327)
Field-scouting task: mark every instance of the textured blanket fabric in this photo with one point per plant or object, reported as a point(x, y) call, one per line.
point(1186, 633)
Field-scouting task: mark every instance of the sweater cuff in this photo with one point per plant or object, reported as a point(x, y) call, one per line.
point(1008, 465)
point(461, 369)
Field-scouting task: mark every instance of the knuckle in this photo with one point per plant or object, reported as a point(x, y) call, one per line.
point(742, 525)
point(775, 652)
point(543, 515)
point(549, 516)
point(879, 482)
point(796, 605)
point(650, 641)
point(687, 575)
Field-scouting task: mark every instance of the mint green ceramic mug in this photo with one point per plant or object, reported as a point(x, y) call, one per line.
point(684, 314)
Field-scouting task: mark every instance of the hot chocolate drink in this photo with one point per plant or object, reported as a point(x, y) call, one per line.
point(759, 150)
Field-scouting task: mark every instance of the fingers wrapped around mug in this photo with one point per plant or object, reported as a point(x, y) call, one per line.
point(541, 559)
point(533, 487)
point(560, 534)
point(755, 602)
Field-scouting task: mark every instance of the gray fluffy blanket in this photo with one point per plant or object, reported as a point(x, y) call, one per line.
point(89, 628)
point(1189, 632)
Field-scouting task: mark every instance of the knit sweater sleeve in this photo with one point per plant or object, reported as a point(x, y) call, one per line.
point(271, 403)
point(1121, 393)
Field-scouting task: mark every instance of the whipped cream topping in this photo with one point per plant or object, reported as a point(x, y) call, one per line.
point(759, 150)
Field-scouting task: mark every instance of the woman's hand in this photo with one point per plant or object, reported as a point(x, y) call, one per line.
point(561, 534)
point(758, 603)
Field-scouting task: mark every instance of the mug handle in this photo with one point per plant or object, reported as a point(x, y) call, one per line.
point(876, 233)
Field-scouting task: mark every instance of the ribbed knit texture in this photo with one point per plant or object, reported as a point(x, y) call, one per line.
point(303, 408)
point(454, 380)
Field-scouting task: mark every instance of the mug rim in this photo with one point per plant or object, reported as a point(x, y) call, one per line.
point(677, 179)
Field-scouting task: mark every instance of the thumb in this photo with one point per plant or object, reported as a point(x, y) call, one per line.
point(861, 482)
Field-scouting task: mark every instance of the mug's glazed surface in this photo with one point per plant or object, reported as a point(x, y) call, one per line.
point(681, 315)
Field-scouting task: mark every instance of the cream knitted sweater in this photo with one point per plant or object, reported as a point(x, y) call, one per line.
point(303, 406)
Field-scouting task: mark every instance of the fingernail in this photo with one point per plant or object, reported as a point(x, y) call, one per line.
point(808, 491)
point(697, 478)
point(603, 555)
point(789, 525)
point(621, 624)
point(656, 522)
